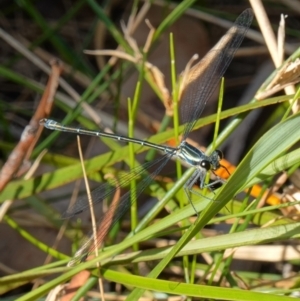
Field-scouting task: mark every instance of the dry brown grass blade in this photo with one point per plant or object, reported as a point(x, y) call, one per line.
point(156, 75)
point(266, 30)
point(288, 75)
point(284, 80)
point(22, 152)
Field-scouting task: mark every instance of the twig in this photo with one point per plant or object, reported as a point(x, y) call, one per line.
point(32, 131)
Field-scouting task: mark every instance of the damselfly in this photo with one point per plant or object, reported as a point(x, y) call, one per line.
point(202, 80)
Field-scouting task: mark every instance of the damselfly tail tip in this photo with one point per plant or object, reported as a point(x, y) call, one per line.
point(43, 121)
point(49, 124)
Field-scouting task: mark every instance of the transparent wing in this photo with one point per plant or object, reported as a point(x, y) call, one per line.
point(108, 189)
point(114, 212)
point(203, 78)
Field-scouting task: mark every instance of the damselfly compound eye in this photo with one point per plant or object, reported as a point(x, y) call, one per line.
point(205, 164)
